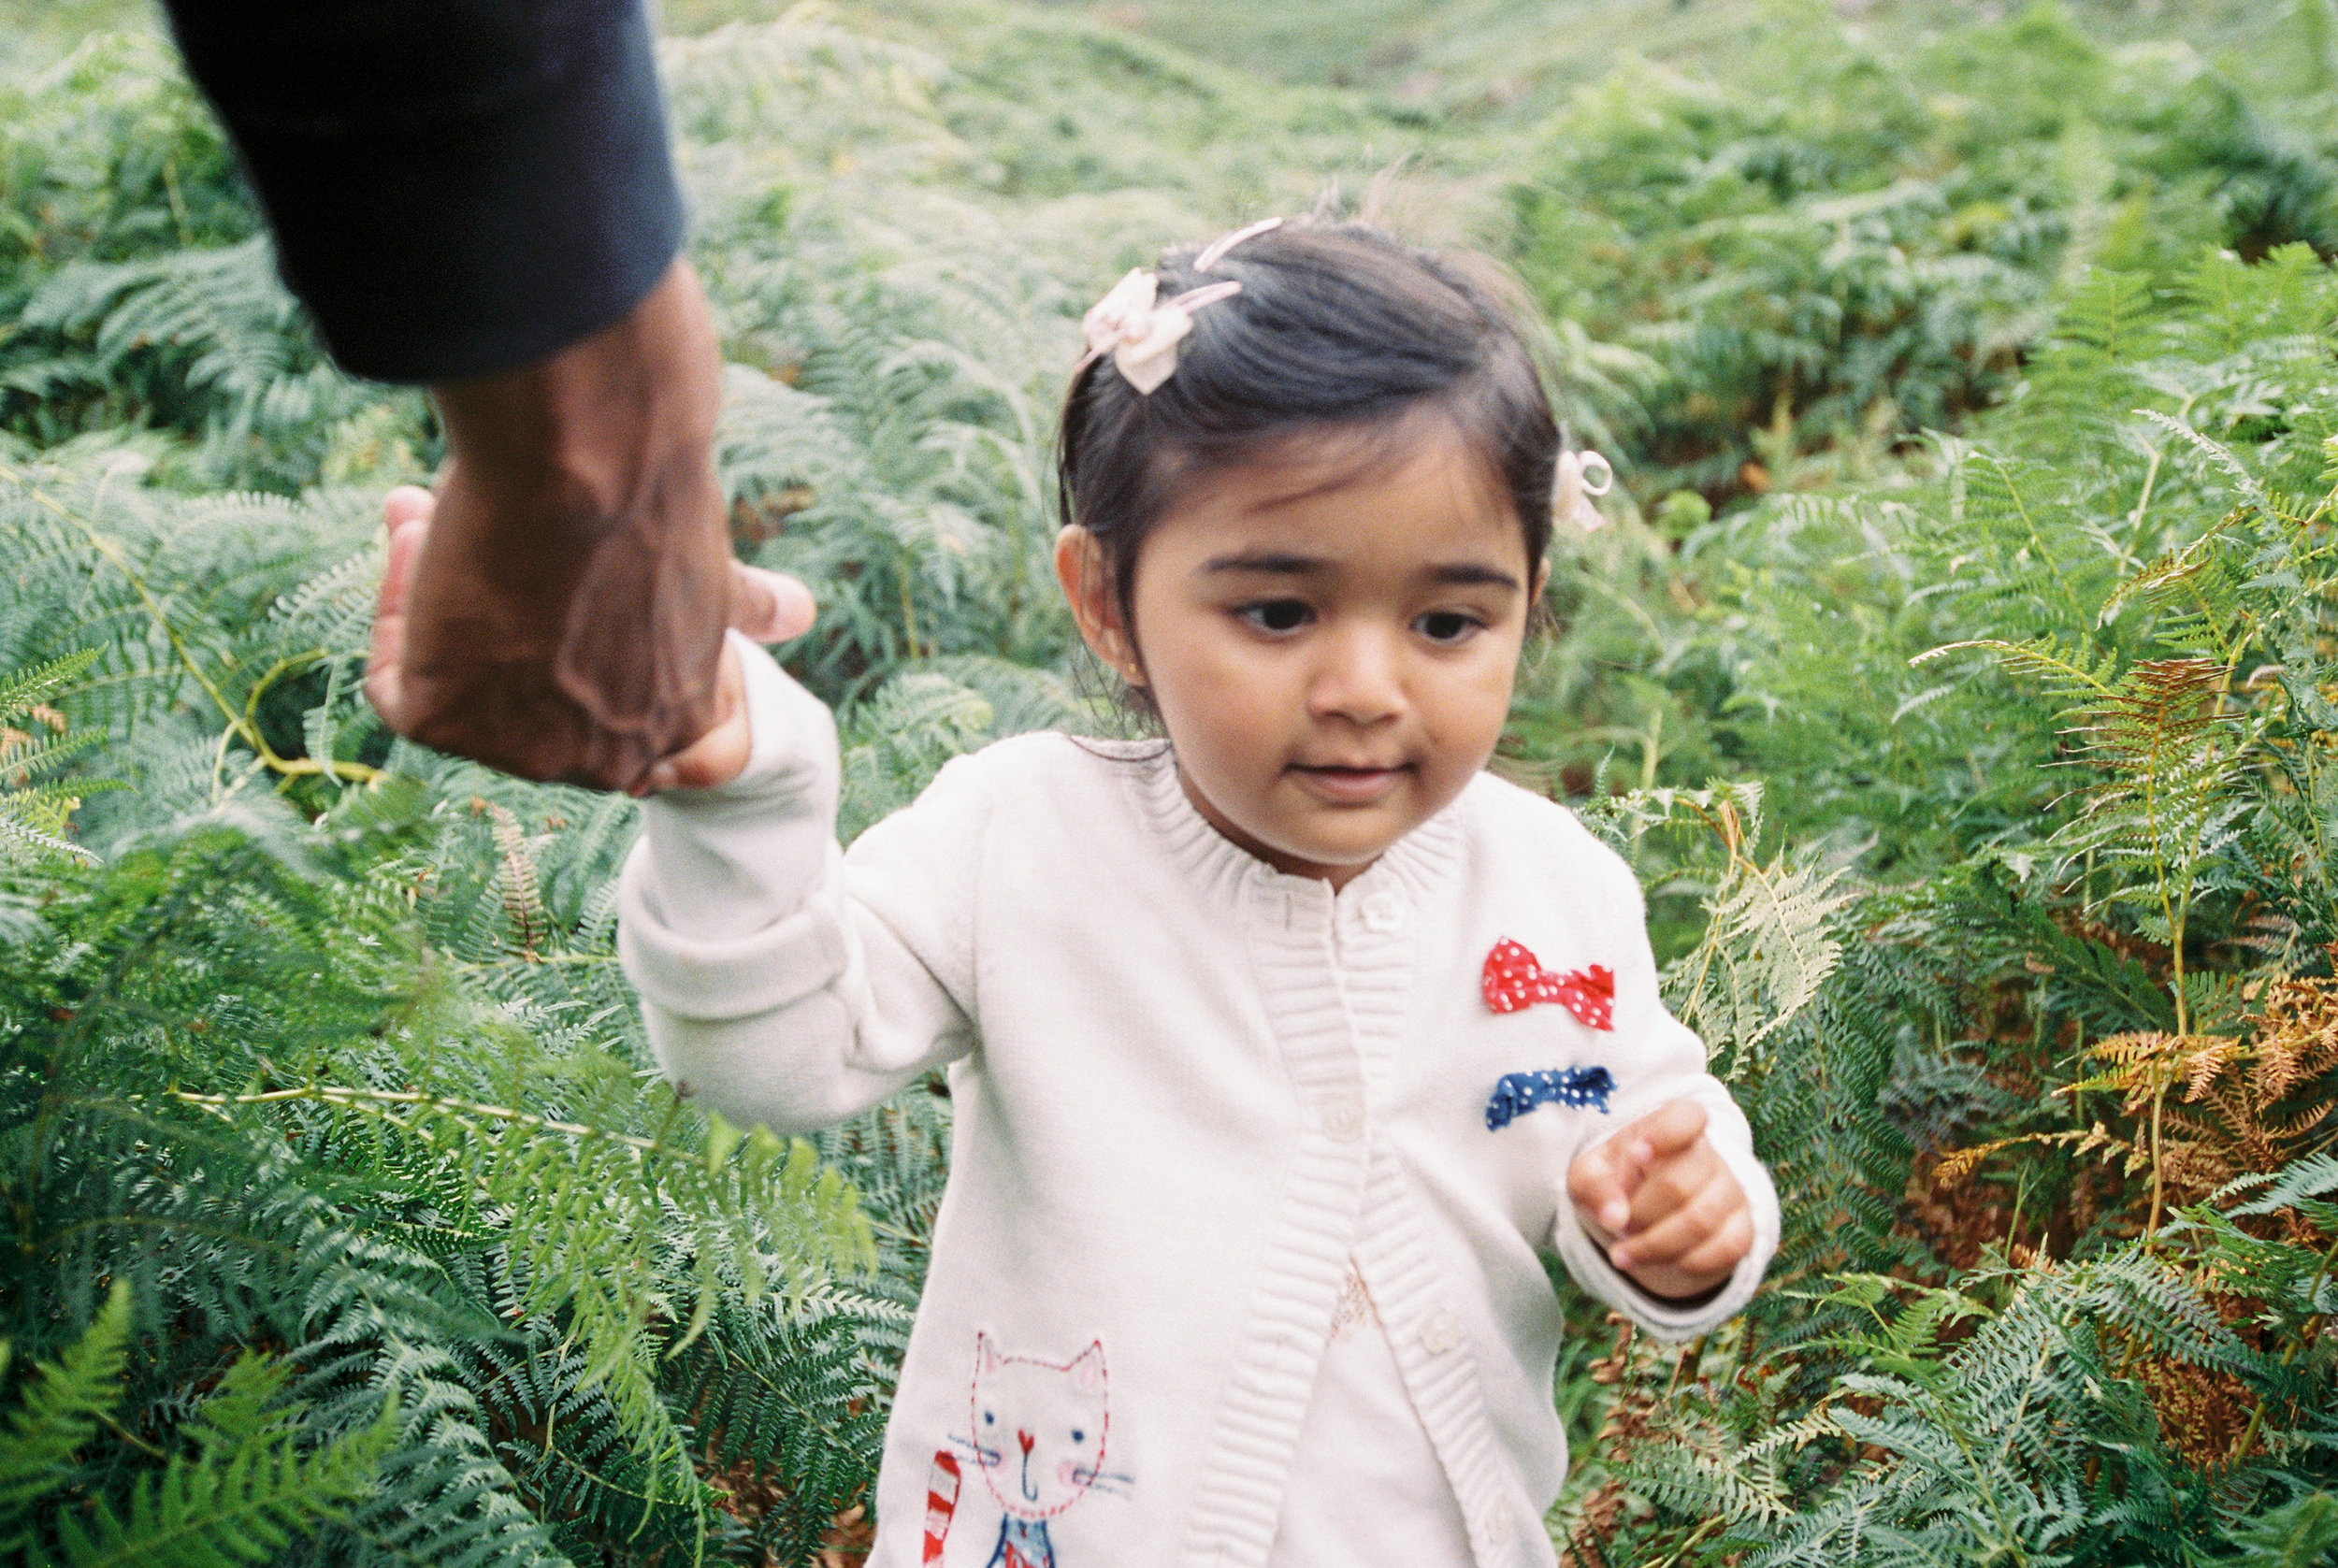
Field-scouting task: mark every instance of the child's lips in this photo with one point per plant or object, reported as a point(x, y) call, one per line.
point(1348, 784)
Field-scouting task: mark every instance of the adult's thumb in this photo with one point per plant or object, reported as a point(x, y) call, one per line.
point(769, 606)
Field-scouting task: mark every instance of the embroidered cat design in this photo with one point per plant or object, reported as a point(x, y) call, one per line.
point(1038, 1439)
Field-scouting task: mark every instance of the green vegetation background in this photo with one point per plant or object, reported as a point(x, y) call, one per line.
point(1958, 672)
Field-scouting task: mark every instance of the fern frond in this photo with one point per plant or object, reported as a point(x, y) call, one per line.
point(243, 1497)
point(62, 1409)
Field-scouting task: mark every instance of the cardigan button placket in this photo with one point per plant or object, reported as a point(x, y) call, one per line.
point(1383, 912)
point(1343, 1119)
point(1440, 1330)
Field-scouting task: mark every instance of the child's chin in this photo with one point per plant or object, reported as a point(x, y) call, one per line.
point(1350, 851)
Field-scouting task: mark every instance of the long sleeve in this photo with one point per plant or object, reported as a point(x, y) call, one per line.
point(456, 187)
point(781, 981)
point(1660, 1060)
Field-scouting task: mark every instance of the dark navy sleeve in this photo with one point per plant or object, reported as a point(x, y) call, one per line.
point(456, 187)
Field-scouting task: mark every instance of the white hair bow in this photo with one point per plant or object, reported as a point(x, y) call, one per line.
point(1571, 493)
point(1140, 332)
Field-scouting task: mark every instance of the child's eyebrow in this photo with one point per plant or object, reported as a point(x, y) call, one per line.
point(1471, 574)
point(1467, 574)
point(1273, 562)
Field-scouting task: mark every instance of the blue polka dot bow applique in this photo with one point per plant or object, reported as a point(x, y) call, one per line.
point(1521, 1092)
point(1515, 980)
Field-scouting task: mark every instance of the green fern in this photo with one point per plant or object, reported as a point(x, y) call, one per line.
point(244, 1492)
point(62, 1411)
point(34, 815)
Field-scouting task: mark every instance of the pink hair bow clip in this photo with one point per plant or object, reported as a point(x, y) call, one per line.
point(1570, 496)
point(1140, 331)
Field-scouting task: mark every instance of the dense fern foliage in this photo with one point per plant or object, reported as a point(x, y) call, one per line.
point(1844, 245)
point(1959, 675)
point(2035, 1018)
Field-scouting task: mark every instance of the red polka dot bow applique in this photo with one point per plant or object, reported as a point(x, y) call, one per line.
point(1514, 980)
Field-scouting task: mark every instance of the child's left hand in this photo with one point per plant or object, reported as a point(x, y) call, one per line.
point(1657, 1198)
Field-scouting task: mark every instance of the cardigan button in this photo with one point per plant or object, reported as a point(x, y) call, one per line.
point(1384, 912)
point(1440, 1330)
point(1344, 1119)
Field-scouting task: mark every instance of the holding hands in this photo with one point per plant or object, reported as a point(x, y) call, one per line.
point(557, 607)
point(765, 605)
point(1657, 1198)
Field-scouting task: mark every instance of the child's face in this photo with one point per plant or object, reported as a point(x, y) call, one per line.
point(1331, 645)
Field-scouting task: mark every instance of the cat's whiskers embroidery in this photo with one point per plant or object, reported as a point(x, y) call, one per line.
point(1110, 1481)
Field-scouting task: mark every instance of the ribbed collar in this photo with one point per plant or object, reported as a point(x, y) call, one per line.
point(1417, 864)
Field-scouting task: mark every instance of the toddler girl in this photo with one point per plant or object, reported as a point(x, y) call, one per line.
point(1277, 1050)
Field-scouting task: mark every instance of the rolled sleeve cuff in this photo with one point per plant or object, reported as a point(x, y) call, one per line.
point(716, 981)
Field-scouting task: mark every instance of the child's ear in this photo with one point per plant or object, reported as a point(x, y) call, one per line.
point(1086, 579)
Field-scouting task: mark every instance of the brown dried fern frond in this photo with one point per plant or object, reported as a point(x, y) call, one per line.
point(2297, 1035)
point(1957, 1164)
point(516, 880)
point(2202, 1413)
point(2147, 1062)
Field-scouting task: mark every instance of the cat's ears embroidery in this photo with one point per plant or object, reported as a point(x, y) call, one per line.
point(1514, 979)
point(1087, 1368)
point(1521, 1092)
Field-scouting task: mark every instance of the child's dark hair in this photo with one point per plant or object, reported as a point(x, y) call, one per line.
point(1338, 327)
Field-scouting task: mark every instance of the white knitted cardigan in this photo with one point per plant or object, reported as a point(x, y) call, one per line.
point(1187, 1089)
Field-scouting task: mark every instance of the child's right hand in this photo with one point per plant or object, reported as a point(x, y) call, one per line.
point(767, 608)
point(717, 757)
point(1658, 1200)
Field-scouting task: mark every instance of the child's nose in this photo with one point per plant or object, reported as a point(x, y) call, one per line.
point(1359, 679)
point(1025, 1439)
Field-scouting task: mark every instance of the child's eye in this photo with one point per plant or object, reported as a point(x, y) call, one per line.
point(1446, 626)
point(1276, 616)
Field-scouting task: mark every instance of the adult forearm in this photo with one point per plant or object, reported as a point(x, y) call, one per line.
point(614, 429)
point(565, 617)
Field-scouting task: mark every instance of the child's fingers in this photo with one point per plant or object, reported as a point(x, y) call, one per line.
point(1596, 1186)
point(1672, 1182)
point(720, 755)
point(1686, 1226)
point(769, 606)
point(1722, 1250)
point(1629, 1155)
point(1701, 1266)
point(1668, 1130)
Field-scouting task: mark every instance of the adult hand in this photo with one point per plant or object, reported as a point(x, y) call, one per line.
point(1657, 1197)
point(765, 605)
point(565, 617)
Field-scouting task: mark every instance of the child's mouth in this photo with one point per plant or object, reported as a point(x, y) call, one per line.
point(1347, 785)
